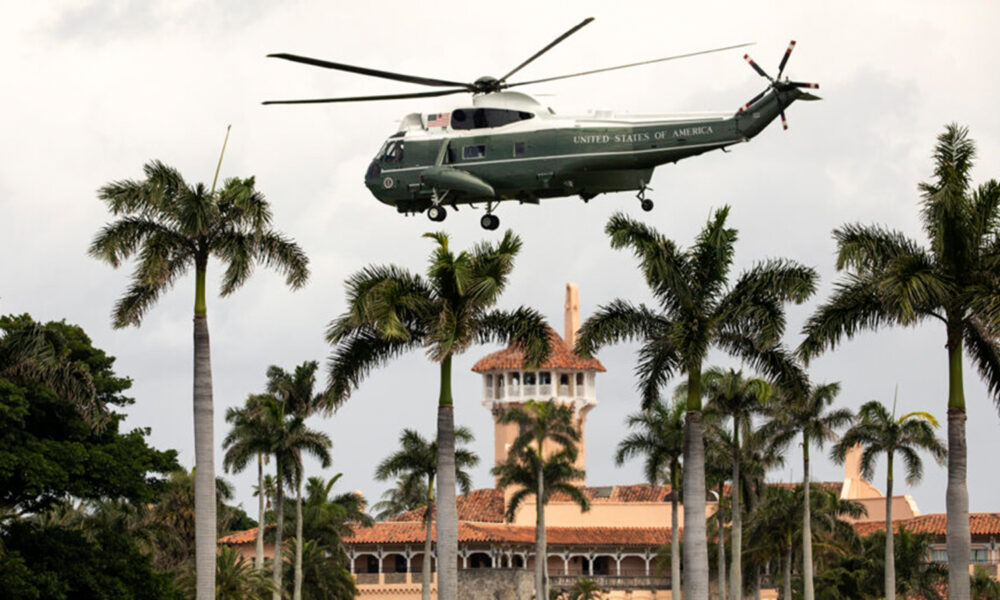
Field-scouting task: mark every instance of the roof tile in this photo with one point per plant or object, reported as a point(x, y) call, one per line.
point(561, 357)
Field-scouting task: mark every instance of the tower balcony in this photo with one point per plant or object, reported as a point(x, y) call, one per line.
point(571, 387)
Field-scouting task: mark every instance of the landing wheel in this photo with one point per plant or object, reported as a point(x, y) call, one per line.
point(647, 204)
point(437, 213)
point(489, 222)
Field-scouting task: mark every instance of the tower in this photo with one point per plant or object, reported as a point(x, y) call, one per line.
point(564, 377)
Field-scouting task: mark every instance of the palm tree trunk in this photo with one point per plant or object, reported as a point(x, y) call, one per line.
point(736, 563)
point(260, 512)
point(297, 590)
point(722, 544)
point(890, 554)
point(807, 554)
point(695, 583)
point(786, 574)
point(279, 526)
point(540, 551)
point(425, 568)
point(957, 505)
point(675, 536)
point(447, 513)
point(958, 536)
point(205, 531)
point(756, 583)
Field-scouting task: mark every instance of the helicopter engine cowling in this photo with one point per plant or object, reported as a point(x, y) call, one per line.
point(449, 178)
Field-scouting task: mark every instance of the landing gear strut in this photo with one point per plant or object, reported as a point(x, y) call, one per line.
point(489, 221)
point(644, 202)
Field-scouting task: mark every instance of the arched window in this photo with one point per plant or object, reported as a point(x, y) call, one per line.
point(480, 560)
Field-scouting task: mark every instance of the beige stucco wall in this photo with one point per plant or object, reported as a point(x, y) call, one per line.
point(603, 514)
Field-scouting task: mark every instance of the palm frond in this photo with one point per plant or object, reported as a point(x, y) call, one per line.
point(524, 327)
point(356, 356)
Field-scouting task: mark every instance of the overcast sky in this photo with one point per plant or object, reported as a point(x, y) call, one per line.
point(92, 90)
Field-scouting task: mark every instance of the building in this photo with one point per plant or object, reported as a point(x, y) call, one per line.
point(615, 543)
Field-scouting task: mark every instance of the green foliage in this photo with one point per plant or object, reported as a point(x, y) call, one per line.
point(81, 556)
point(49, 448)
point(235, 578)
point(414, 466)
point(325, 575)
point(657, 433)
point(983, 586)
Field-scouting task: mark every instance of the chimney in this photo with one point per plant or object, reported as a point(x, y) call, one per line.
point(572, 324)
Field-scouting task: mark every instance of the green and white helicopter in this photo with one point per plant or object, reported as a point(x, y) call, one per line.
point(509, 146)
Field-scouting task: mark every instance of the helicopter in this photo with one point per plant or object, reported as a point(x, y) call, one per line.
point(508, 146)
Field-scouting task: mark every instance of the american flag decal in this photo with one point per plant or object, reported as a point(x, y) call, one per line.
point(438, 120)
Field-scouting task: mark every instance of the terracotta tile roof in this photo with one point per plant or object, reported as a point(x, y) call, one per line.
point(561, 357)
point(830, 486)
point(622, 493)
point(482, 506)
point(240, 537)
point(412, 533)
point(936, 523)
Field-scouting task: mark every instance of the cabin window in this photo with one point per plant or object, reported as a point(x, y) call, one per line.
point(393, 152)
point(472, 152)
point(518, 149)
point(480, 118)
point(545, 378)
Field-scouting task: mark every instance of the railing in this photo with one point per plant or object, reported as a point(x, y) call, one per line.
point(368, 578)
point(396, 577)
point(614, 582)
point(530, 391)
point(545, 390)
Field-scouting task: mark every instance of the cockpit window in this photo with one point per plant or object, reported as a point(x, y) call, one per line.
point(392, 152)
point(480, 118)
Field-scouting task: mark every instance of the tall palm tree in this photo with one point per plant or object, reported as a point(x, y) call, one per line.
point(892, 280)
point(295, 391)
point(415, 466)
point(239, 453)
point(292, 439)
point(327, 520)
point(171, 226)
point(804, 410)
point(877, 431)
point(740, 399)
point(391, 310)
point(541, 422)
point(658, 434)
point(533, 475)
point(699, 309)
point(718, 468)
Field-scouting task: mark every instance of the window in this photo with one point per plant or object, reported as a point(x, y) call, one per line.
point(489, 381)
point(939, 555)
point(545, 378)
point(563, 379)
point(371, 565)
point(529, 379)
point(515, 379)
point(400, 564)
point(519, 149)
point(471, 152)
point(393, 152)
point(579, 379)
point(979, 555)
point(480, 118)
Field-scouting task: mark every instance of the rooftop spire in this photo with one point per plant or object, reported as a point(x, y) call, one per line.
point(572, 324)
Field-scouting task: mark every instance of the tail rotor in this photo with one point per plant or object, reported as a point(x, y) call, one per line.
point(778, 85)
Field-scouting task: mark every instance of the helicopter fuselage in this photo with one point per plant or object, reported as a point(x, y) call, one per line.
point(508, 146)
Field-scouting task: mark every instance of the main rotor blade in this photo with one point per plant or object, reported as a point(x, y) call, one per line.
point(370, 72)
point(549, 47)
point(369, 98)
point(645, 62)
point(757, 68)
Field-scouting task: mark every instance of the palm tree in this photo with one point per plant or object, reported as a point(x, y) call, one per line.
point(541, 422)
point(892, 280)
point(237, 579)
point(804, 409)
point(658, 434)
point(698, 310)
point(415, 465)
point(391, 310)
point(585, 589)
point(170, 226)
point(983, 586)
point(327, 520)
point(877, 431)
point(295, 391)
point(404, 496)
point(240, 452)
point(731, 395)
point(531, 474)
